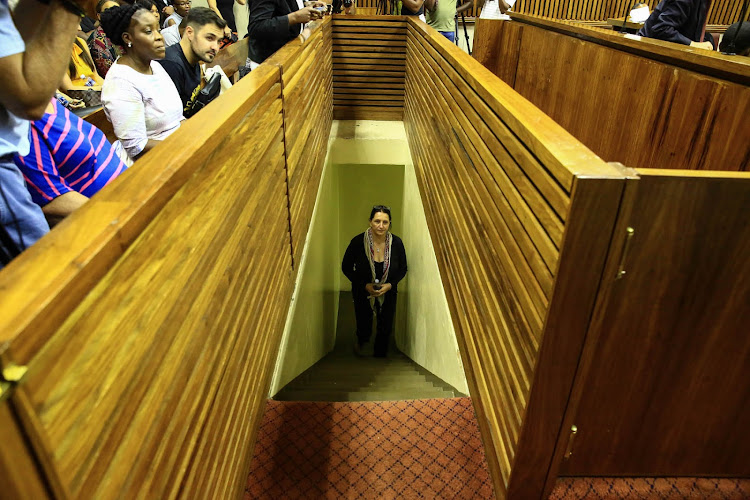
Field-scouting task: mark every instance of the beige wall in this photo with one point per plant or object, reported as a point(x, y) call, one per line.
point(310, 330)
point(368, 163)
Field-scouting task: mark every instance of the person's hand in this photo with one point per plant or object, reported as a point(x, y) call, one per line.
point(702, 45)
point(227, 31)
point(168, 10)
point(304, 15)
point(384, 288)
point(315, 3)
point(370, 287)
point(504, 7)
point(241, 2)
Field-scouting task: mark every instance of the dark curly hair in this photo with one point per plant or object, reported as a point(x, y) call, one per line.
point(116, 21)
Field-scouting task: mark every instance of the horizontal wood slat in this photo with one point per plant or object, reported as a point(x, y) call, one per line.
point(480, 170)
point(369, 56)
point(153, 333)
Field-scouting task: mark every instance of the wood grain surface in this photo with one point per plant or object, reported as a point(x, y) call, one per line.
point(501, 173)
point(673, 108)
point(369, 62)
point(663, 386)
point(150, 319)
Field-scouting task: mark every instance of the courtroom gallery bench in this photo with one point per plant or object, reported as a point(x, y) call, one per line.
point(136, 350)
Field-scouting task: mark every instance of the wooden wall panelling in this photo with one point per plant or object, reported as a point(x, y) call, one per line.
point(637, 111)
point(368, 67)
point(49, 280)
point(588, 237)
point(494, 38)
point(119, 394)
point(481, 170)
point(676, 404)
point(165, 344)
point(21, 477)
point(722, 12)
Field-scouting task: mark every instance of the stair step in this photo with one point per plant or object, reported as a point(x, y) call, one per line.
point(297, 395)
point(363, 386)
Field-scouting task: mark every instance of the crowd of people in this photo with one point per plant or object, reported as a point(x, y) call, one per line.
point(144, 62)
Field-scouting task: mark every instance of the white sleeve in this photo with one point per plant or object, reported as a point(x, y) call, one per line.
point(10, 39)
point(123, 105)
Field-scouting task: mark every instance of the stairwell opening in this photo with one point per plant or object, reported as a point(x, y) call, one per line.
point(368, 163)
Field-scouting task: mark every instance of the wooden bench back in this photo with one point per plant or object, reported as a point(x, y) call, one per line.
point(145, 326)
point(643, 103)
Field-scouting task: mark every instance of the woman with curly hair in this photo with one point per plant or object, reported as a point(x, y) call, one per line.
point(138, 96)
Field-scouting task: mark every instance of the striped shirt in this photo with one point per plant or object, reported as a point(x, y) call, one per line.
point(67, 154)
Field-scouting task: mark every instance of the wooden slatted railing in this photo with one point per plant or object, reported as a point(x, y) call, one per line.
point(149, 320)
point(369, 58)
point(499, 181)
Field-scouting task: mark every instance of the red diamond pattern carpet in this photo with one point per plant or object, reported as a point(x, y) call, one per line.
point(427, 448)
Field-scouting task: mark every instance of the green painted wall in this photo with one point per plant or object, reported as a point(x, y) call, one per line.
point(360, 188)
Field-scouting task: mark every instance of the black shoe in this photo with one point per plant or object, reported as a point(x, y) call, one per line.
point(358, 350)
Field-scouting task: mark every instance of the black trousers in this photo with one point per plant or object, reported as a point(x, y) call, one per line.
point(385, 313)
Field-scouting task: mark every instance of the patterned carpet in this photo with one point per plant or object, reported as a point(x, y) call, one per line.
point(650, 488)
point(427, 448)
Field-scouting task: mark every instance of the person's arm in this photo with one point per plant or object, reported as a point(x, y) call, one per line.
point(212, 5)
point(397, 247)
point(468, 4)
point(413, 5)
point(29, 78)
point(674, 15)
point(64, 205)
point(265, 24)
point(347, 265)
point(429, 5)
point(124, 107)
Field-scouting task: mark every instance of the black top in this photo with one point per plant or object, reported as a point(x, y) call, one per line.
point(268, 27)
point(405, 11)
point(356, 266)
point(678, 21)
point(226, 7)
point(186, 78)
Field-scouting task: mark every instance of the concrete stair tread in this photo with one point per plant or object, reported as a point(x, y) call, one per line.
point(392, 395)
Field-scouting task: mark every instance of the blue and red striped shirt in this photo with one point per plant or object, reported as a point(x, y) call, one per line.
point(67, 154)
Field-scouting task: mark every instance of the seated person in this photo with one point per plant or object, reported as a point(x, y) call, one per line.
point(82, 69)
point(273, 23)
point(736, 39)
point(203, 31)
point(173, 34)
point(138, 96)
point(148, 4)
point(69, 161)
point(680, 21)
point(103, 51)
point(181, 9)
